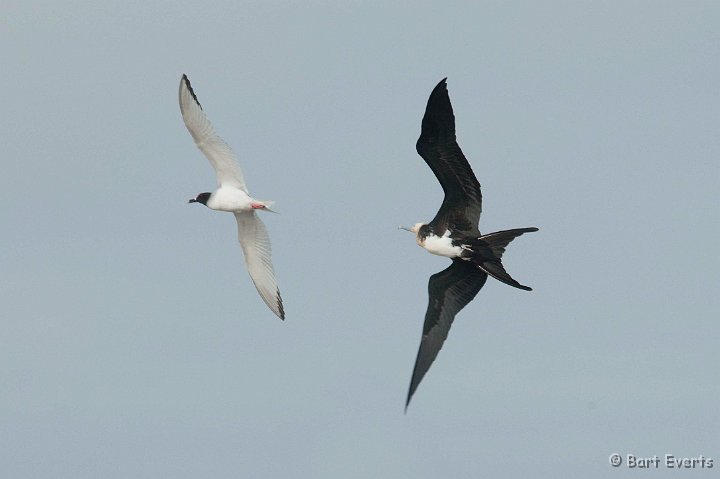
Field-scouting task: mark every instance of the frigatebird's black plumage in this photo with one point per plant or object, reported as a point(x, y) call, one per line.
point(450, 291)
point(453, 233)
point(462, 205)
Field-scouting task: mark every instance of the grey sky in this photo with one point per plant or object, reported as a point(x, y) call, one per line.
point(133, 344)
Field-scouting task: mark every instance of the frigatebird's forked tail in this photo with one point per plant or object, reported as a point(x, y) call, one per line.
point(497, 242)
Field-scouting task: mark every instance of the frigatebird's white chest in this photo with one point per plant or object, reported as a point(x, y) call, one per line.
point(440, 245)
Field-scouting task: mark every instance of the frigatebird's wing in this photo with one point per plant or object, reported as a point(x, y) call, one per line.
point(450, 291)
point(460, 210)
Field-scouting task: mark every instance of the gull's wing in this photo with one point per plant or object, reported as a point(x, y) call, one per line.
point(463, 202)
point(215, 149)
point(255, 244)
point(450, 291)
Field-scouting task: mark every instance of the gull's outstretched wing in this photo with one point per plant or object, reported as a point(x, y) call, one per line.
point(215, 149)
point(450, 291)
point(437, 145)
point(255, 244)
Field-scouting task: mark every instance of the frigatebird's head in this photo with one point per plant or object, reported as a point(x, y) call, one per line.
point(201, 198)
point(413, 229)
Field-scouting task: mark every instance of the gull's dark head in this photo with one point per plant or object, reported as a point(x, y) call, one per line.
point(201, 198)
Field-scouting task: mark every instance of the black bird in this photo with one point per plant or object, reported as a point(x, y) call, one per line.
point(453, 233)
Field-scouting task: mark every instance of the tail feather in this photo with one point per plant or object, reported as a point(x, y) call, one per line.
point(268, 204)
point(499, 240)
point(496, 270)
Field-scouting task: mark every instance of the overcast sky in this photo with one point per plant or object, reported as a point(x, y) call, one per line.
point(133, 344)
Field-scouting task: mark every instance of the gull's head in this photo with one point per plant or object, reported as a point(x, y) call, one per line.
point(413, 229)
point(201, 198)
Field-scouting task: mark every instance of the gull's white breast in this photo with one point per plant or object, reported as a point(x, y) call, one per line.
point(228, 198)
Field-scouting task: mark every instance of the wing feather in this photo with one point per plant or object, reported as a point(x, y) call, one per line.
point(221, 156)
point(450, 291)
point(255, 244)
point(437, 145)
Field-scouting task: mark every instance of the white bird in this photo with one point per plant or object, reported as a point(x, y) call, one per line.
point(232, 196)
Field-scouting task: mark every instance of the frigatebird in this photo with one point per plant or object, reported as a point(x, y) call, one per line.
point(453, 233)
point(232, 195)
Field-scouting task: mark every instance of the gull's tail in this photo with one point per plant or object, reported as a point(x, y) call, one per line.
point(267, 204)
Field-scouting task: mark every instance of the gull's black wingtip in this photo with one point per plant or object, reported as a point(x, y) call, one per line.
point(280, 305)
point(186, 81)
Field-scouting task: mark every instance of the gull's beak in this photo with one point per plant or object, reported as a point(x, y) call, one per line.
point(404, 228)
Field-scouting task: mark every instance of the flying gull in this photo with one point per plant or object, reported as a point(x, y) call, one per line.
point(232, 195)
point(453, 233)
